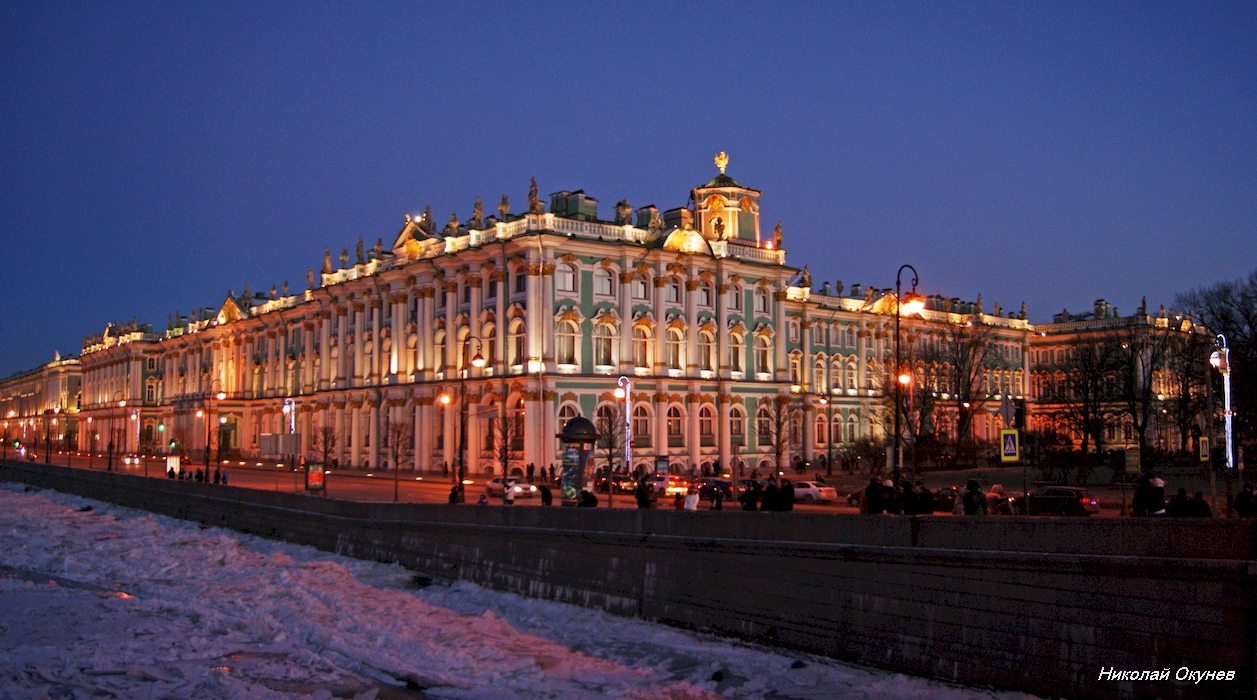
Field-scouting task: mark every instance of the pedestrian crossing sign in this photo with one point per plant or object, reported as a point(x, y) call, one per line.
point(1204, 448)
point(1010, 446)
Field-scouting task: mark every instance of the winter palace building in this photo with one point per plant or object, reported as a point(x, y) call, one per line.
point(517, 322)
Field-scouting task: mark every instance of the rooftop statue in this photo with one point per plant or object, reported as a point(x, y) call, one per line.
point(285, 292)
point(378, 250)
point(777, 236)
point(310, 277)
point(504, 208)
point(452, 226)
point(656, 222)
point(327, 261)
point(534, 203)
point(358, 251)
point(806, 280)
point(979, 304)
point(722, 161)
point(344, 259)
point(426, 223)
point(273, 291)
point(719, 227)
point(477, 215)
point(623, 212)
point(1022, 315)
point(838, 289)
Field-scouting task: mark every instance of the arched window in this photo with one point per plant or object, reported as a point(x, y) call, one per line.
point(489, 340)
point(461, 346)
point(737, 425)
point(761, 300)
point(795, 373)
point(763, 425)
point(818, 375)
point(515, 343)
point(819, 430)
point(761, 355)
point(438, 344)
point(641, 347)
point(566, 413)
point(640, 289)
point(565, 335)
point(674, 422)
point(641, 426)
point(565, 278)
point(672, 292)
point(735, 298)
point(835, 375)
point(835, 428)
point(603, 344)
point(737, 350)
point(705, 422)
point(706, 350)
point(603, 283)
point(672, 350)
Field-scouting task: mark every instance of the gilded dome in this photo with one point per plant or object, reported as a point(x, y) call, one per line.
point(686, 240)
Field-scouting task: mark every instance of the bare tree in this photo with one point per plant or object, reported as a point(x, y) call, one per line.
point(609, 420)
point(398, 435)
point(965, 354)
point(1139, 358)
point(1186, 383)
point(1230, 308)
point(1089, 401)
point(324, 443)
point(772, 427)
point(508, 437)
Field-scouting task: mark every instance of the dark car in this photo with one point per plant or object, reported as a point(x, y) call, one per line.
point(707, 489)
point(1057, 500)
point(623, 483)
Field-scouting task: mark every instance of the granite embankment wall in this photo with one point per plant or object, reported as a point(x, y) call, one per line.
point(1036, 604)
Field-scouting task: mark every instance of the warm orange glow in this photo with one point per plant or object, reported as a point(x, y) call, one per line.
point(200, 413)
point(769, 245)
point(477, 361)
point(905, 379)
point(122, 403)
point(221, 395)
point(913, 303)
point(445, 399)
point(619, 392)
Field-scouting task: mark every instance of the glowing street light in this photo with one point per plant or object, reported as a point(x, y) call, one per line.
point(1221, 361)
point(912, 303)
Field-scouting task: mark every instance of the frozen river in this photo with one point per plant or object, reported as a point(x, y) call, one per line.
point(102, 601)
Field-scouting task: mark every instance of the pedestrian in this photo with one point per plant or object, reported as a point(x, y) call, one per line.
point(587, 500)
point(224, 477)
point(200, 475)
point(1180, 506)
point(750, 497)
point(785, 496)
point(552, 473)
point(871, 499)
point(453, 494)
point(1246, 502)
point(1156, 498)
point(532, 471)
point(718, 499)
point(771, 497)
point(508, 492)
point(170, 473)
point(678, 503)
point(1200, 507)
point(483, 501)
point(691, 498)
point(925, 500)
point(218, 476)
point(890, 499)
point(974, 500)
point(547, 498)
point(997, 501)
point(1140, 499)
point(445, 470)
point(907, 498)
point(642, 495)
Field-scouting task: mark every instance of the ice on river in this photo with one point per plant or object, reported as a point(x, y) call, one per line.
point(102, 601)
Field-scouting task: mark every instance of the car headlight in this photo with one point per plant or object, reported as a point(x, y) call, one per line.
point(518, 490)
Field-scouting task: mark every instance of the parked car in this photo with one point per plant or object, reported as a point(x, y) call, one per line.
point(1057, 500)
point(667, 485)
point(707, 488)
point(813, 492)
point(623, 483)
point(494, 487)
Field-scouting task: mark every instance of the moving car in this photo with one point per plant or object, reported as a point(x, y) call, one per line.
point(1057, 500)
point(813, 492)
point(707, 488)
point(667, 485)
point(623, 483)
point(493, 487)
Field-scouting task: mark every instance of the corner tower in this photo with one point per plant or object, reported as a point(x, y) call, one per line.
point(726, 210)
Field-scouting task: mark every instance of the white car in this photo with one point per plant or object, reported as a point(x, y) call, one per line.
point(667, 485)
point(812, 492)
point(494, 488)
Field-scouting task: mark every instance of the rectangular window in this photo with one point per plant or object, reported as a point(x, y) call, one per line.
point(520, 282)
point(639, 288)
point(735, 299)
point(704, 295)
point(493, 289)
point(673, 292)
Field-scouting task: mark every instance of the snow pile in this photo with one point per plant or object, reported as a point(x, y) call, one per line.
point(101, 600)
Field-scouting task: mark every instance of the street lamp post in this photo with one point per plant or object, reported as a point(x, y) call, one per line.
point(624, 389)
point(912, 304)
point(1221, 361)
point(122, 404)
point(91, 441)
point(477, 361)
point(220, 395)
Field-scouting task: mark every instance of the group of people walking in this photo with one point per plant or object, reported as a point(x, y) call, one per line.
point(769, 497)
point(908, 499)
point(219, 476)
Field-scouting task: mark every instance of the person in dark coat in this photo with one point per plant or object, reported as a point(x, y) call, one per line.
point(974, 499)
point(1180, 506)
point(908, 502)
point(769, 499)
point(873, 498)
point(718, 500)
point(925, 500)
point(199, 476)
point(750, 497)
point(547, 498)
point(454, 494)
point(642, 495)
point(224, 477)
point(1142, 496)
point(1246, 502)
point(587, 500)
point(1200, 507)
point(170, 473)
point(218, 476)
point(890, 499)
point(1156, 498)
point(785, 496)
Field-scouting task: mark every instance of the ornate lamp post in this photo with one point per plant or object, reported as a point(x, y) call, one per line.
point(912, 304)
point(122, 404)
point(1221, 361)
point(477, 361)
point(624, 390)
point(91, 441)
point(220, 395)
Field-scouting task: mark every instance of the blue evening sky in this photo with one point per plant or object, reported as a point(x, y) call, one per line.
point(153, 156)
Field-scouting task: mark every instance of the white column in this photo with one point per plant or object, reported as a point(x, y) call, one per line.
point(373, 453)
point(355, 433)
point(626, 317)
point(782, 335)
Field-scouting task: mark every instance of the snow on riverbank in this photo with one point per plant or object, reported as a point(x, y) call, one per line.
point(116, 602)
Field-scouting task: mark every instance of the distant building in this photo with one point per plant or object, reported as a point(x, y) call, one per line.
point(41, 406)
point(696, 305)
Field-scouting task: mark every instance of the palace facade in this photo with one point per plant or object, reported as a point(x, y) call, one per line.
point(513, 324)
point(41, 406)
